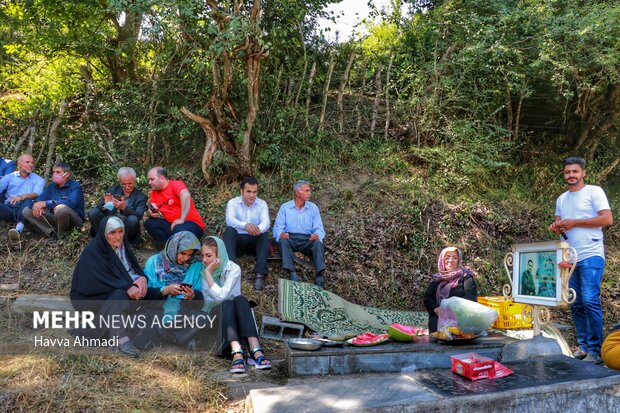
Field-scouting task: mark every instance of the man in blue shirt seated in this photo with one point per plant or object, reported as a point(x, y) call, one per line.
point(6, 167)
point(61, 205)
point(123, 200)
point(247, 220)
point(21, 187)
point(299, 227)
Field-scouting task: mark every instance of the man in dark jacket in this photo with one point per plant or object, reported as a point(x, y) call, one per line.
point(123, 200)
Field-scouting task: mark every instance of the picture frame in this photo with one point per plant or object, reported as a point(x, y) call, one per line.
point(536, 277)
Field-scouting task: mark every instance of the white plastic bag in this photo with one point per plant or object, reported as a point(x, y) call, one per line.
point(471, 317)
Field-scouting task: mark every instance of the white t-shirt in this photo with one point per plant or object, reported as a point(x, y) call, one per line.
point(583, 204)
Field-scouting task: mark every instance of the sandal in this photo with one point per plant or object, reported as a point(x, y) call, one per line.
point(237, 366)
point(258, 361)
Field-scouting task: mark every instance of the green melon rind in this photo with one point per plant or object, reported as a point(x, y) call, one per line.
point(396, 334)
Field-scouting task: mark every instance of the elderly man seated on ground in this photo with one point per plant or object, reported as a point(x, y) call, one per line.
point(171, 208)
point(61, 205)
point(123, 200)
point(299, 227)
point(22, 187)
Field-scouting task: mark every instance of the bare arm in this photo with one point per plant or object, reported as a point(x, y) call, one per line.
point(603, 219)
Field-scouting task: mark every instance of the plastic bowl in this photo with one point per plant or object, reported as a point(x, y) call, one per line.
point(308, 344)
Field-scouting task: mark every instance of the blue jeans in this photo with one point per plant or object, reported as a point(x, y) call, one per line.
point(13, 213)
point(587, 311)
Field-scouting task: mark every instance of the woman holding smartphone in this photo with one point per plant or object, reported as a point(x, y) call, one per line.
point(174, 275)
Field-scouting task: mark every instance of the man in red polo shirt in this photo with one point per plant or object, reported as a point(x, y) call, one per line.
point(171, 208)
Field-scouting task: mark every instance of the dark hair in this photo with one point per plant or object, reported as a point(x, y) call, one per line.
point(528, 262)
point(160, 171)
point(248, 180)
point(65, 167)
point(211, 243)
point(575, 160)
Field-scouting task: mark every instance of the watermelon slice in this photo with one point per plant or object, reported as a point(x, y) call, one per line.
point(368, 339)
point(403, 333)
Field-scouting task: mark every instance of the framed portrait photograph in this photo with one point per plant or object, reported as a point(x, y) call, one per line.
point(535, 274)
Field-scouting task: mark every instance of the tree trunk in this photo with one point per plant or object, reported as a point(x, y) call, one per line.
point(328, 79)
point(358, 102)
point(122, 61)
point(343, 84)
point(509, 113)
point(212, 139)
point(602, 176)
point(375, 109)
point(309, 93)
point(53, 136)
point(387, 97)
point(30, 130)
point(518, 116)
point(46, 138)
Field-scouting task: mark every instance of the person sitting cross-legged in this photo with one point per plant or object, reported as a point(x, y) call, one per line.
point(247, 220)
point(21, 188)
point(123, 200)
point(61, 205)
point(298, 227)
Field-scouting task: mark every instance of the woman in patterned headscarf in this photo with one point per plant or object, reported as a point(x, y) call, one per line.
point(221, 284)
point(174, 273)
point(452, 280)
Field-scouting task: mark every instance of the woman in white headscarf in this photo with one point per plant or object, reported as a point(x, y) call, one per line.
point(107, 278)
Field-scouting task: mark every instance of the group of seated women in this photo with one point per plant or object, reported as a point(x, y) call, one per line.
point(186, 277)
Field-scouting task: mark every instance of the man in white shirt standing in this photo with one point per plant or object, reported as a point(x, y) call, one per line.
point(580, 215)
point(247, 220)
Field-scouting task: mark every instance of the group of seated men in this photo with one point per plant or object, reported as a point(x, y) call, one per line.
point(58, 207)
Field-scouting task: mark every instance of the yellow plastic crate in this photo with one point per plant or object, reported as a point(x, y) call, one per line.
point(511, 315)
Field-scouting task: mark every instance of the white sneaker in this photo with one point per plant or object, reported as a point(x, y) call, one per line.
point(14, 234)
point(580, 354)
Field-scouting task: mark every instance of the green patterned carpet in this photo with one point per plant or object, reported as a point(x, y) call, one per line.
point(331, 316)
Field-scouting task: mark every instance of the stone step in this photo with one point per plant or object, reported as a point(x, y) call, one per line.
point(26, 304)
point(548, 384)
point(388, 357)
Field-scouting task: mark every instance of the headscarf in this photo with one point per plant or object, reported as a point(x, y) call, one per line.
point(448, 279)
point(99, 270)
point(222, 254)
point(113, 224)
point(167, 270)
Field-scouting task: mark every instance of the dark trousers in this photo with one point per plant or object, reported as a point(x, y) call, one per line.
point(301, 243)
point(237, 320)
point(108, 305)
point(159, 229)
point(238, 245)
point(132, 223)
point(13, 213)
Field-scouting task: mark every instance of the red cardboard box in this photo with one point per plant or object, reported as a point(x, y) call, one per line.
point(473, 366)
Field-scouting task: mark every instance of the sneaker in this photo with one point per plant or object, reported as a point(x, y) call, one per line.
point(259, 281)
point(593, 358)
point(293, 276)
point(580, 354)
point(128, 349)
point(14, 234)
point(320, 281)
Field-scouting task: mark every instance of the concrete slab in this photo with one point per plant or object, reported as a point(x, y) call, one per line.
point(351, 394)
point(389, 357)
point(555, 384)
point(26, 304)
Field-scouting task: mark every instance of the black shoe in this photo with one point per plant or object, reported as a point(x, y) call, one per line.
point(259, 281)
point(128, 349)
point(293, 276)
point(52, 238)
point(319, 281)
